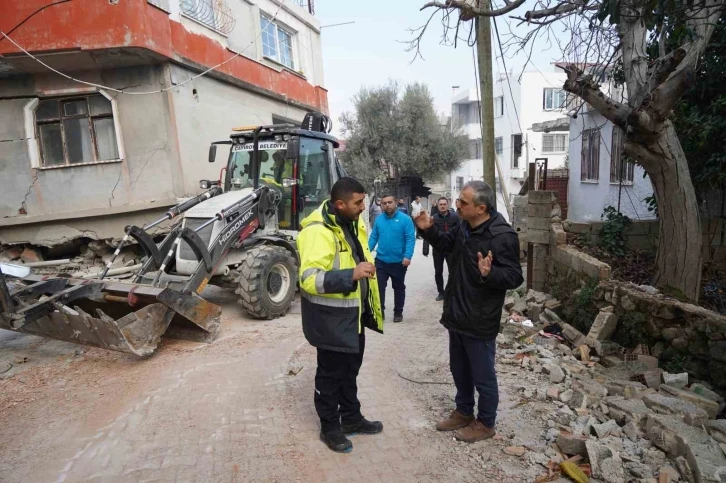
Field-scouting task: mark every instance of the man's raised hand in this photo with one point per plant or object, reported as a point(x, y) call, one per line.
point(485, 263)
point(424, 220)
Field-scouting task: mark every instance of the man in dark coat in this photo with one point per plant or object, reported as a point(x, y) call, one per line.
point(484, 265)
point(445, 220)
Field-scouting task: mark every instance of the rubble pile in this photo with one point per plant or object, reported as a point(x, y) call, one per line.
point(619, 417)
point(84, 260)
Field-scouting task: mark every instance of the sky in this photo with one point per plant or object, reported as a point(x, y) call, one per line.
point(373, 50)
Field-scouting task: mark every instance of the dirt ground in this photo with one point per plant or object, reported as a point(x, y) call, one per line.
point(241, 409)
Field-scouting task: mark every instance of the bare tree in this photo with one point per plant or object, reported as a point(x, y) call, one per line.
point(613, 35)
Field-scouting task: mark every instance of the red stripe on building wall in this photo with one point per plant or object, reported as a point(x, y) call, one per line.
point(98, 25)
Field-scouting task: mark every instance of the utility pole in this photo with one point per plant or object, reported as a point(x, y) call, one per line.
point(484, 54)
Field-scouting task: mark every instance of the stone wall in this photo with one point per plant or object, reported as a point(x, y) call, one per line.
point(643, 235)
point(680, 335)
point(550, 256)
point(691, 335)
point(520, 212)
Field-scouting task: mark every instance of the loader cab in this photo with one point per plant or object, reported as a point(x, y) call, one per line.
point(300, 165)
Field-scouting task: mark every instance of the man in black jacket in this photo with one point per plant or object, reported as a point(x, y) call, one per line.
point(445, 220)
point(484, 265)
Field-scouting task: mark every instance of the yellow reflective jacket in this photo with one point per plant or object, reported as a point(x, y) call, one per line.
point(332, 310)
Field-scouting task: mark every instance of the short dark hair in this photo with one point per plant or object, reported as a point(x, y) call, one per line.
point(389, 195)
point(443, 198)
point(344, 188)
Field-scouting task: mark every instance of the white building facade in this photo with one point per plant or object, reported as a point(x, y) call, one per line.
point(599, 175)
point(537, 98)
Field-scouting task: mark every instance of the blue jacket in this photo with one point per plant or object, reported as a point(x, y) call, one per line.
point(395, 236)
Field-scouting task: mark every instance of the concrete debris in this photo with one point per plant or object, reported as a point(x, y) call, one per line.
point(704, 456)
point(705, 392)
point(571, 444)
point(652, 379)
point(604, 326)
point(555, 372)
point(518, 451)
point(676, 380)
point(717, 430)
point(628, 410)
point(606, 429)
point(605, 464)
point(668, 474)
point(688, 412)
point(613, 407)
point(566, 396)
point(624, 388)
point(710, 406)
point(632, 432)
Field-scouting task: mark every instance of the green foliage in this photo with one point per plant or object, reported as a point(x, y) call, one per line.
point(651, 204)
point(676, 364)
point(612, 233)
point(631, 330)
point(580, 310)
point(388, 128)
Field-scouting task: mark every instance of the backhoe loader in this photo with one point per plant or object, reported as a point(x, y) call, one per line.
point(239, 232)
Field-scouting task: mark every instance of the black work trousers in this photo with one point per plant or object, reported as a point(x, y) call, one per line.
point(336, 389)
point(439, 259)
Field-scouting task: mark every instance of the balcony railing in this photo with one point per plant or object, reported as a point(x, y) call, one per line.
point(215, 14)
point(308, 4)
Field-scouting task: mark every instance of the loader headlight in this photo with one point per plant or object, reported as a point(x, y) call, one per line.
point(204, 184)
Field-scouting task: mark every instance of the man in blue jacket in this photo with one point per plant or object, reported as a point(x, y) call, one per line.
point(395, 236)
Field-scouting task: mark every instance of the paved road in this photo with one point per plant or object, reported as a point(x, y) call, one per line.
point(237, 410)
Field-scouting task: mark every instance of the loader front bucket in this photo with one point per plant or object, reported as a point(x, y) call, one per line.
point(111, 315)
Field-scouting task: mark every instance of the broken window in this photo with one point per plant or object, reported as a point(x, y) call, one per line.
point(590, 156)
point(76, 130)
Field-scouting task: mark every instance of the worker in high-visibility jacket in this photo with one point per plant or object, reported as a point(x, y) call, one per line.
point(340, 298)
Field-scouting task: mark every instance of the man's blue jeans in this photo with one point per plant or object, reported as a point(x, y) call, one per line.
point(472, 365)
point(397, 273)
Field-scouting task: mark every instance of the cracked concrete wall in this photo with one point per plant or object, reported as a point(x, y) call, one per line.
point(145, 175)
point(210, 114)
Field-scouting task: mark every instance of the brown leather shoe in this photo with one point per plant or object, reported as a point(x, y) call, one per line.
point(455, 421)
point(476, 431)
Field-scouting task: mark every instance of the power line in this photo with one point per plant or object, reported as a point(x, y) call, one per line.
point(122, 91)
point(506, 73)
point(33, 15)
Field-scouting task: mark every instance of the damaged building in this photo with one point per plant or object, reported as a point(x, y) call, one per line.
point(125, 132)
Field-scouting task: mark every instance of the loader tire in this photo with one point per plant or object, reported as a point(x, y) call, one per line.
point(267, 281)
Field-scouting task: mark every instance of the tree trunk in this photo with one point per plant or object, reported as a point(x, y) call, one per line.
point(679, 259)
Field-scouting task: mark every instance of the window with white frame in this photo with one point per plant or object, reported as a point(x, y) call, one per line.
point(621, 170)
point(590, 155)
point(214, 14)
point(74, 130)
point(553, 99)
point(499, 145)
point(554, 143)
point(498, 106)
point(277, 42)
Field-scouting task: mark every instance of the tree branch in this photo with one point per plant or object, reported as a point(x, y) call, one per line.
point(470, 11)
point(669, 91)
point(560, 9)
point(584, 86)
